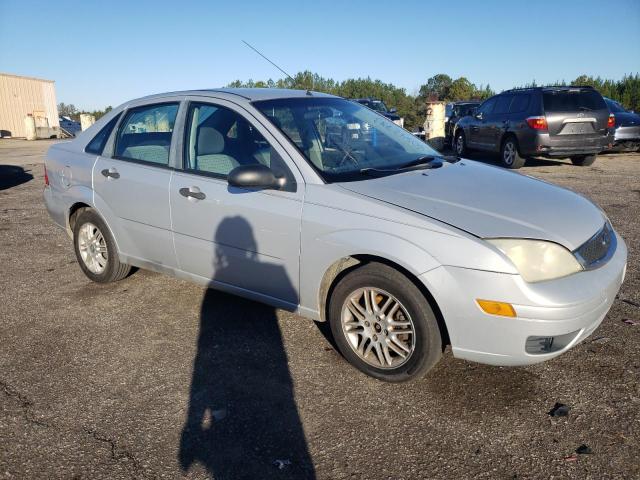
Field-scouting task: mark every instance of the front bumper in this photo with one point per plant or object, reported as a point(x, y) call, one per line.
point(568, 309)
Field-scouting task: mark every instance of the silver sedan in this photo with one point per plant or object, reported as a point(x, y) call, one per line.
point(318, 205)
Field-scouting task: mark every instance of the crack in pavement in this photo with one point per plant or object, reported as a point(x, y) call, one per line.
point(118, 454)
point(25, 404)
point(629, 302)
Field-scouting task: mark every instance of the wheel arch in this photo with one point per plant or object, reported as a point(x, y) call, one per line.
point(72, 214)
point(343, 266)
point(102, 210)
point(507, 135)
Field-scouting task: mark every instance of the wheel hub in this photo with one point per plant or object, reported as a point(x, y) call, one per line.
point(378, 328)
point(92, 247)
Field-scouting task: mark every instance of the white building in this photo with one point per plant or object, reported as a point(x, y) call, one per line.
point(24, 96)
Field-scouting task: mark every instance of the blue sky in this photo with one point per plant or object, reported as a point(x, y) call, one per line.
point(104, 53)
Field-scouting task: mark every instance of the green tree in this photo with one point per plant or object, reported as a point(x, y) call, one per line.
point(461, 89)
point(436, 87)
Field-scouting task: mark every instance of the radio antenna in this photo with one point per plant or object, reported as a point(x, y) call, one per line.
point(272, 63)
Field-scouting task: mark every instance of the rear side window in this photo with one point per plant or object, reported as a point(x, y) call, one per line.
point(502, 105)
point(96, 145)
point(572, 100)
point(145, 134)
point(519, 104)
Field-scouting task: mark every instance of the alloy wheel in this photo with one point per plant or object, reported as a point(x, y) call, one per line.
point(509, 153)
point(459, 145)
point(378, 328)
point(93, 248)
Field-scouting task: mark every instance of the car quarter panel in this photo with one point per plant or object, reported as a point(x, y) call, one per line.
point(69, 172)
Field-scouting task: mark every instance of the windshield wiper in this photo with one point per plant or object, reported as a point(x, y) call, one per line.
point(418, 164)
point(420, 161)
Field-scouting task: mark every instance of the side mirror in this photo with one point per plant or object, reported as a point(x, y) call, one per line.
point(478, 115)
point(393, 110)
point(255, 176)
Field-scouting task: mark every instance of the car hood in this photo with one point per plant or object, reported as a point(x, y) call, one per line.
point(627, 119)
point(489, 202)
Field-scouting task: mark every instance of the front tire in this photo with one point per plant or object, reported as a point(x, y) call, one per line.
point(96, 250)
point(509, 155)
point(460, 144)
point(583, 160)
point(383, 325)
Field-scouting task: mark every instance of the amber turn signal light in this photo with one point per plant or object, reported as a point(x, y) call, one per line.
point(496, 308)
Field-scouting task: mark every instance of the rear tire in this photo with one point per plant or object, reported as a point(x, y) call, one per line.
point(509, 155)
point(583, 160)
point(394, 335)
point(96, 250)
point(460, 144)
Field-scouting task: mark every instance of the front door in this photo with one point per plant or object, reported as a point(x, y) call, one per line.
point(241, 239)
point(131, 184)
point(479, 130)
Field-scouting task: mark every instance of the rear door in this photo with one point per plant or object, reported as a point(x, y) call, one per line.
point(131, 183)
point(575, 115)
point(497, 122)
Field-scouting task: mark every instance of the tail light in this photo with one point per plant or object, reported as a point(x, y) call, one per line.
point(46, 177)
point(612, 121)
point(537, 123)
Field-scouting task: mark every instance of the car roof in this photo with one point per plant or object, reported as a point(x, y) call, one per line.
point(548, 88)
point(250, 94)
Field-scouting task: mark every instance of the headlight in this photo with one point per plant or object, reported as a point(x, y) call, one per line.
point(537, 260)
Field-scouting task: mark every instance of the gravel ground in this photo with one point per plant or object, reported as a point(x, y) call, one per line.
point(153, 377)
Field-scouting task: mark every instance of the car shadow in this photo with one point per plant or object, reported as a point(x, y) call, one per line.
point(242, 419)
point(13, 175)
point(494, 159)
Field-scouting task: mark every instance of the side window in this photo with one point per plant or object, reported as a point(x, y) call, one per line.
point(520, 103)
point(218, 140)
point(96, 145)
point(145, 134)
point(502, 105)
point(487, 107)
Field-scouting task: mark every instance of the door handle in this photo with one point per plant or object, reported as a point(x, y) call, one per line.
point(110, 173)
point(192, 192)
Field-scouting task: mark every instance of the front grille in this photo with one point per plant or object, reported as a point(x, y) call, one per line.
point(598, 249)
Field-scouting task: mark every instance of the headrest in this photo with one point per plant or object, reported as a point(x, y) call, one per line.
point(210, 141)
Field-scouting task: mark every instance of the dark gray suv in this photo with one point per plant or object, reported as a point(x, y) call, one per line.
point(540, 121)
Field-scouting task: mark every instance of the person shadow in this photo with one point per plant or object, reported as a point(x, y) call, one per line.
point(242, 420)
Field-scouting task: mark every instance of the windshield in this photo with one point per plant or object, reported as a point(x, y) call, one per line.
point(341, 138)
point(379, 107)
point(614, 106)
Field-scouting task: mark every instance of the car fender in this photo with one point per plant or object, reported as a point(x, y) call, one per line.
point(332, 248)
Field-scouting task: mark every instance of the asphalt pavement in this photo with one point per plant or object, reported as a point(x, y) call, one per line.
point(153, 377)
